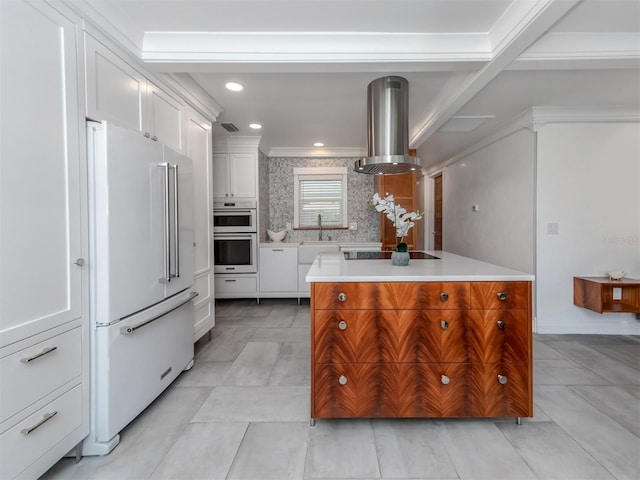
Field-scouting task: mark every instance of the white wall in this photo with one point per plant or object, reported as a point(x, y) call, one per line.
point(588, 181)
point(499, 179)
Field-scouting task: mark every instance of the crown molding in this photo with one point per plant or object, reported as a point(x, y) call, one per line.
point(583, 50)
point(542, 116)
point(312, 47)
point(537, 117)
point(111, 21)
point(288, 152)
point(193, 93)
point(224, 143)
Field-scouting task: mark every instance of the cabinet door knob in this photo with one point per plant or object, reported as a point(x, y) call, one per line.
point(342, 380)
point(501, 325)
point(342, 296)
point(444, 296)
point(445, 379)
point(147, 135)
point(444, 324)
point(154, 138)
point(502, 379)
point(79, 262)
point(342, 325)
point(502, 296)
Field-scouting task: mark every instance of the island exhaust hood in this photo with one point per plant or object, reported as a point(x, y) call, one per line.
point(388, 129)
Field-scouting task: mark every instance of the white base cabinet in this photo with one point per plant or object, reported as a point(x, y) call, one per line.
point(278, 270)
point(44, 369)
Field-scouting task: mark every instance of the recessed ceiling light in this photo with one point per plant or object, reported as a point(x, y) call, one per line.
point(255, 126)
point(234, 87)
point(318, 144)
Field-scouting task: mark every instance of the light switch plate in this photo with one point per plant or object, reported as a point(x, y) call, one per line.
point(353, 225)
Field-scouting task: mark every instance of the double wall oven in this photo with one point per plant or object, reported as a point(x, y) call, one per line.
point(235, 237)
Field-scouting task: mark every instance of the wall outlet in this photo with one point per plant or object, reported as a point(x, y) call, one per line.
point(475, 208)
point(353, 225)
point(289, 226)
point(553, 228)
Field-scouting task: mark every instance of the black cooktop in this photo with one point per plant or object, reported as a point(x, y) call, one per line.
point(385, 255)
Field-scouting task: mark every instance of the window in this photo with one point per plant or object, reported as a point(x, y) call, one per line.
point(320, 191)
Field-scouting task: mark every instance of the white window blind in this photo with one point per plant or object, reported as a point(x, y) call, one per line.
point(321, 194)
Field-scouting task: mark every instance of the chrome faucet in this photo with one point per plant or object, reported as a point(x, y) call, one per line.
point(320, 225)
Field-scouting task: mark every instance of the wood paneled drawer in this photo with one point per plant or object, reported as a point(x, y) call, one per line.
point(29, 439)
point(501, 390)
point(499, 336)
point(399, 336)
point(391, 295)
point(500, 295)
point(391, 390)
point(37, 370)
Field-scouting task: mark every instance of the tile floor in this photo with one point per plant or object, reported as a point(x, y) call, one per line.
point(242, 413)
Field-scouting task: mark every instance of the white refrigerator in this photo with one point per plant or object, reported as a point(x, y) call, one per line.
point(141, 263)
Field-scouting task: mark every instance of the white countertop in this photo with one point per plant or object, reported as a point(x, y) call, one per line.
point(332, 267)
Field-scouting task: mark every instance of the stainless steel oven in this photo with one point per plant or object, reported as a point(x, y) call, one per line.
point(235, 252)
point(235, 217)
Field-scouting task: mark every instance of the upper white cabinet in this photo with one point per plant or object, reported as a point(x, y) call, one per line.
point(235, 167)
point(44, 380)
point(119, 93)
point(235, 175)
point(198, 148)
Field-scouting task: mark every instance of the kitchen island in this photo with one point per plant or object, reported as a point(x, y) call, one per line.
point(442, 337)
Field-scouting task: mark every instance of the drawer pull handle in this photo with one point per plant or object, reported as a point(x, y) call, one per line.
point(45, 418)
point(342, 380)
point(501, 325)
point(444, 296)
point(38, 355)
point(229, 281)
point(342, 296)
point(445, 379)
point(502, 379)
point(502, 296)
point(444, 324)
point(277, 249)
point(342, 325)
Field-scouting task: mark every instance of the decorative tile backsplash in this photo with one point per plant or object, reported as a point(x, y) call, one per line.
point(359, 193)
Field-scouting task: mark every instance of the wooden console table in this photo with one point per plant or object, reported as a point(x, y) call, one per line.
point(600, 295)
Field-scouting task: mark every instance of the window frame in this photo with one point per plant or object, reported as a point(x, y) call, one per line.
point(319, 173)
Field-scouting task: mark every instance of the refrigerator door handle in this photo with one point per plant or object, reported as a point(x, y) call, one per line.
point(167, 228)
point(176, 222)
point(129, 329)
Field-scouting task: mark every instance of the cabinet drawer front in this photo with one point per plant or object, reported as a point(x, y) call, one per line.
point(20, 447)
point(38, 370)
point(406, 336)
point(390, 390)
point(488, 397)
point(500, 294)
point(499, 336)
point(236, 285)
point(391, 295)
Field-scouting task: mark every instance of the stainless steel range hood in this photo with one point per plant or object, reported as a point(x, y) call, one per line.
point(388, 129)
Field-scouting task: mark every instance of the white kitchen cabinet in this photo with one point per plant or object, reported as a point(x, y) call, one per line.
point(44, 239)
point(119, 93)
point(198, 130)
point(235, 175)
point(236, 286)
point(278, 270)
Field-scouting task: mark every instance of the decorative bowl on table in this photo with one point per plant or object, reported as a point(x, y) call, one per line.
point(276, 236)
point(616, 274)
